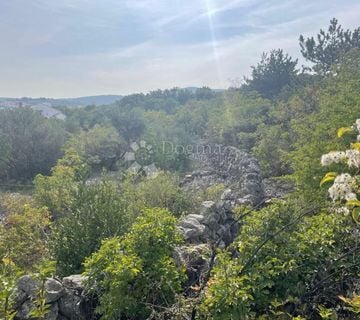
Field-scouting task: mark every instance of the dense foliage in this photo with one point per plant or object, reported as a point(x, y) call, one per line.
point(136, 274)
point(294, 258)
point(276, 270)
point(29, 144)
point(273, 73)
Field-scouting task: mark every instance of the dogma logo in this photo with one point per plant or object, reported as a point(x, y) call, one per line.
point(140, 158)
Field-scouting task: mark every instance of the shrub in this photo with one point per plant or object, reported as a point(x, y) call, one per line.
point(282, 255)
point(162, 191)
point(96, 211)
point(135, 274)
point(56, 191)
point(23, 231)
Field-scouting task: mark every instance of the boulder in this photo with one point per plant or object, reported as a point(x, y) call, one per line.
point(28, 285)
point(191, 227)
point(74, 282)
point(24, 310)
point(69, 306)
point(54, 290)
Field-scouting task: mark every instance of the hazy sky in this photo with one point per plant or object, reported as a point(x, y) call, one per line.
point(68, 48)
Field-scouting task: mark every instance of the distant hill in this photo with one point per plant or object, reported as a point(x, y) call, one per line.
point(73, 102)
point(70, 102)
point(193, 89)
point(91, 100)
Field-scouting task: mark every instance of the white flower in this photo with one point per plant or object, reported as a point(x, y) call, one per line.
point(342, 210)
point(353, 158)
point(351, 196)
point(342, 187)
point(333, 157)
point(344, 178)
point(357, 125)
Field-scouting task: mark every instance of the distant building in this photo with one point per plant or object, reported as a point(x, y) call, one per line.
point(44, 108)
point(48, 111)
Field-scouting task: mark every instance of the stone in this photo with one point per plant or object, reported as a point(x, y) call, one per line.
point(69, 306)
point(227, 195)
point(29, 285)
point(197, 217)
point(75, 282)
point(19, 297)
point(208, 204)
point(53, 313)
point(23, 312)
point(238, 171)
point(54, 290)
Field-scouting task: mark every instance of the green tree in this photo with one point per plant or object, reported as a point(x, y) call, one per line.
point(274, 71)
point(330, 47)
point(100, 146)
point(315, 134)
point(30, 143)
point(128, 122)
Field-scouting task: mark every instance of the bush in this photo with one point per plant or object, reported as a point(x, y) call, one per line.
point(23, 231)
point(9, 273)
point(96, 212)
point(282, 256)
point(162, 191)
point(135, 274)
point(56, 191)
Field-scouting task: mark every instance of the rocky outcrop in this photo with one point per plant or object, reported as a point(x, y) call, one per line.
point(240, 173)
point(65, 298)
point(277, 188)
point(213, 223)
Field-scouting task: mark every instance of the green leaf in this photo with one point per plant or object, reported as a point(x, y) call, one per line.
point(330, 176)
point(353, 203)
point(355, 146)
point(343, 131)
point(356, 215)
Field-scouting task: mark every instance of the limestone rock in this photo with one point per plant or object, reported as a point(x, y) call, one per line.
point(191, 227)
point(28, 285)
point(23, 312)
point(53, 312)
point(75, 282)
point(54, 290)
point(69, 306)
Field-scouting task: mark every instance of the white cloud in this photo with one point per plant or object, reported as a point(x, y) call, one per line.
point(162, 59)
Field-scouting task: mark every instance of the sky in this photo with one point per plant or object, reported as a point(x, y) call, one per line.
point(70, 48)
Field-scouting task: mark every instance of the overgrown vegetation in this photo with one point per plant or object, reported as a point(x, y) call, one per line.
point(295, 258)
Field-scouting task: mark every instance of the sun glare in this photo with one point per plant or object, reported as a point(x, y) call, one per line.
point(209, 5)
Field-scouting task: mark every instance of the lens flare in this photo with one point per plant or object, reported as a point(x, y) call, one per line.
point(210, 9)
